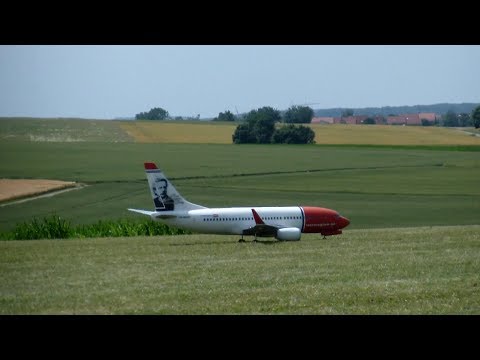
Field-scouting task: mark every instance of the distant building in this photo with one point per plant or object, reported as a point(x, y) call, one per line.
point(432, 117)
point(354, 119)
point(322, 120)
point(404, 119)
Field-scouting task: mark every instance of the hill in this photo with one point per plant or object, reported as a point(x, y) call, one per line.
point(442, 108)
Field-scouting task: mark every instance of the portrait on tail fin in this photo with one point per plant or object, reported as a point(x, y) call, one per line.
point(162, 201)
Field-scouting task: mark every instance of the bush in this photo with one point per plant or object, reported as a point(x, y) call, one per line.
point(369, 121)
point(291, 134)
point(426, 122)
point(55, 227)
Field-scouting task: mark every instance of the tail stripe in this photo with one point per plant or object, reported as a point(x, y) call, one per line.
point(150, 166)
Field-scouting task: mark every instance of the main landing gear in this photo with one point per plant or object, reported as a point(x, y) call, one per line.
point(242, 240)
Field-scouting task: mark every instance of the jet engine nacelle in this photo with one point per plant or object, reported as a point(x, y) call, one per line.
point(288, 234)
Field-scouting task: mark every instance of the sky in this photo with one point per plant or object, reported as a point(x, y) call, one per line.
point(106, 81)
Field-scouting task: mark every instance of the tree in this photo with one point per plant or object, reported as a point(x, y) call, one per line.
point(226, 116)
point(293, 134)
point(270, 113)
point(262, 123)
point(464, 120)
point(243, 135)
point(298, 114)
point(476, 117)
point(258, 128)
point(426, 122)
point(347, 112)
point(153, 114)
point(263, 129)
point(369, 121)
point(450, 119)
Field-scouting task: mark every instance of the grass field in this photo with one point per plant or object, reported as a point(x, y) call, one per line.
point(424, 270)
point(184, 132)
point(61, 130)
point(374, 187)
point(396, 257)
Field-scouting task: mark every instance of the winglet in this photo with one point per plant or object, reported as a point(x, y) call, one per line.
point(258, 219)
point(150, 166)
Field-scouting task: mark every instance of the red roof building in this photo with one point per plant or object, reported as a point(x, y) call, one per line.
point(405, 119)
point(322, 120)
point(428, 116)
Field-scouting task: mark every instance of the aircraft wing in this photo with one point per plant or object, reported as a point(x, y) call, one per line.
point(260, 228)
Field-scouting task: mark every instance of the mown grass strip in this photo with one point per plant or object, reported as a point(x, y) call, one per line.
point(424, 270)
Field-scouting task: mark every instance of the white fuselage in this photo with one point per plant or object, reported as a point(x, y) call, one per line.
point(231, 220)
point(284, 223)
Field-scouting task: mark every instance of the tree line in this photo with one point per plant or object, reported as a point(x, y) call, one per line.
point(451, 119)
point(258, 126)
point(442, 108)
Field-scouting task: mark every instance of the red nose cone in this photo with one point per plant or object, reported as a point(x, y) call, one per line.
point(343, 222)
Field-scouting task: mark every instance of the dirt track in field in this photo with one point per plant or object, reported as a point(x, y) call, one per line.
point(11, 189)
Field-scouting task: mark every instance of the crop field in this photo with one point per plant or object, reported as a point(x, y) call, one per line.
point(207, 132)
point(11, 189)
point(221, 133)
point(392, 135)
point(412, 245)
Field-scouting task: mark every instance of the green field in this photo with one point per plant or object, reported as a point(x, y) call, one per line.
point(397, 256)
point(424, 270)
point(374, 187)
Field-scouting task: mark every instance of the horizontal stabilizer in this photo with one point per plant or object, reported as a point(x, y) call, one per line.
point(161, 216)
point(144, 212)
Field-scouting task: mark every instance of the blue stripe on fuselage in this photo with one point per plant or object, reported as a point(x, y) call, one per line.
point(303, 219)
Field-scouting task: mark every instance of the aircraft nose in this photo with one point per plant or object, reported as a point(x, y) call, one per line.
point(344, 222)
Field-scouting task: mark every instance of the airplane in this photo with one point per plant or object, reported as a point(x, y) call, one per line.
point(285, 223)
